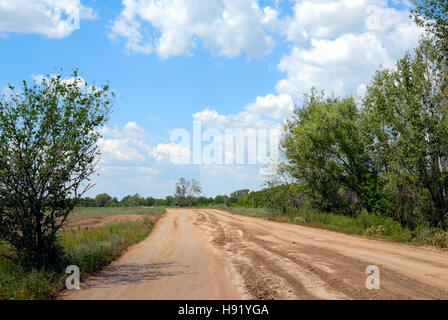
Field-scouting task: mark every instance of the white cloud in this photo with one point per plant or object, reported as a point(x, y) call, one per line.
point(326, 18)
point(165, 151)
point(52, 18)
point(260, 114)
point(339, 66)
point(337, 45)
point(125, 147)
point(243, 120)
point(175, 27)
point(126, 150)
point(130, 130)
point(272, 106)
point(128, 164)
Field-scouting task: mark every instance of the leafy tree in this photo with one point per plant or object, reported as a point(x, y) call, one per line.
point(433, 16)
point(325, 148)
point(280, 193)
point(202, 200)
point(126, 201)
point(48, 135)
point(103, 200)
point(277, 196)
point(169, 200)
point(220, 199)
point(87, 202)
point(407, 108)
point(150, 201)
point(185, 191)
point(133, 200)
point(237, 195)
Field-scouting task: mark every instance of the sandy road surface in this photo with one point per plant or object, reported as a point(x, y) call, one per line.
point(211, 254)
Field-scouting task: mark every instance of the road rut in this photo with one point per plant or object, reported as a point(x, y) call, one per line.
point(212, 254)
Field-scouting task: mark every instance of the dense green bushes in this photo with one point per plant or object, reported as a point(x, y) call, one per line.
point(386, 154)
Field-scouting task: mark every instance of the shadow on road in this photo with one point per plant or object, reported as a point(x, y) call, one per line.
point(134, 273)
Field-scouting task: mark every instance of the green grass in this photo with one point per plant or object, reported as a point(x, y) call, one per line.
point(370, 225)
point(17, 284)
point(90, 250)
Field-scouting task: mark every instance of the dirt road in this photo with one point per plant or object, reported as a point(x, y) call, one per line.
point(211, 254)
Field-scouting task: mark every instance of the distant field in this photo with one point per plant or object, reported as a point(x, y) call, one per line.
point(81, 211)
point(92, 217)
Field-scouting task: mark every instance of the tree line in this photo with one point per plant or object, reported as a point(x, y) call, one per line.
point(242, 198)
point(105, 200)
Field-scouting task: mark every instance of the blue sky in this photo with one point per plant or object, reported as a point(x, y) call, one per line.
point(228, 63)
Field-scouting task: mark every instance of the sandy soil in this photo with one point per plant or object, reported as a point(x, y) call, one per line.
point(211, 254)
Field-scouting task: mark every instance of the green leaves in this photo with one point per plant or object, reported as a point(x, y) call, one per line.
point(407, 108)
point(387, 154)
point(326, 149)
point(185, 191)
point(48, 133)
point(433, 16)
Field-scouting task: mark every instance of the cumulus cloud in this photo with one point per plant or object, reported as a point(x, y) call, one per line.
point(210, 118)
point(52, 18)
point(337, 45)
point(124, 147)
point(340, 66)
point(272, 106)
point(175, 27)
point(326, 19)
point(262, 113)
point(130, 130)
point(125, 150)
point(172, 151)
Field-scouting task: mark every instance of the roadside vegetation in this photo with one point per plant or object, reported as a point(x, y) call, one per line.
point(89, 248)
point(364, 224)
